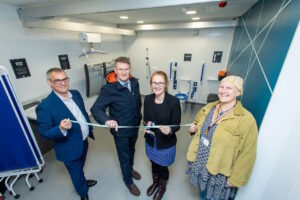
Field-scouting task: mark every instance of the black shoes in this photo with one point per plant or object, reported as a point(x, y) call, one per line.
point(91, 183)
point(85, 197)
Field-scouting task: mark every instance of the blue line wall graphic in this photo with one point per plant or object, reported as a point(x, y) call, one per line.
point(260, 44)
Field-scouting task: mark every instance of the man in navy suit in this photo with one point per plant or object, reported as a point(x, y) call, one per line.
point(70, 141)
point(122, 96)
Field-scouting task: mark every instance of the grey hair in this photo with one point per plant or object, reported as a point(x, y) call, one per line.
point(54, 69)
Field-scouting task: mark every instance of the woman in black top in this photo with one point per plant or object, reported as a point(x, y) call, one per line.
point(160, 108)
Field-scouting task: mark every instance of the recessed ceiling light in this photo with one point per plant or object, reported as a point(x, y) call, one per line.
point(123, 17)
point(64, 19)
point(195, 18)
point(140, 22)
point(191, 12)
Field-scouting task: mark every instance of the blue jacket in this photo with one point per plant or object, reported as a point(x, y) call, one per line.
point(124, 106)
point(50, 112)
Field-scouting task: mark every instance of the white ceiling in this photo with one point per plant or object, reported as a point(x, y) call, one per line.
point(35, 3)
point(207, 11)
point(100, 14)
point(173, 14)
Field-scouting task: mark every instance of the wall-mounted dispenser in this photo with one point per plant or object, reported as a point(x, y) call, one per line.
point(90, 38)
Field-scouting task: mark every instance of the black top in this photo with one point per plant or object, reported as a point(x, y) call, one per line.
point(167, 113)
point(124, 107)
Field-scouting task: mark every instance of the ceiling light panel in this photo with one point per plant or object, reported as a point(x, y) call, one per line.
point(191, 12)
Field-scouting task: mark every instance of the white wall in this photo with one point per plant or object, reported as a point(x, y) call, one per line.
point(41, 49)
point(276, 173)
point(170, 45)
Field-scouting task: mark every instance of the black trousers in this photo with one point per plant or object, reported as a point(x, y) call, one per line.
point(2, 186)
point(162, 171)
point(125, 149)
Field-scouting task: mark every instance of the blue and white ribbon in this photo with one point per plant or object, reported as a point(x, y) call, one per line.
point(140, 127)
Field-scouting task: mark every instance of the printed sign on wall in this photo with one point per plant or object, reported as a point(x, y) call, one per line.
point(187, 57)
point(217, 56)
point(64, 61)
point(20, 67)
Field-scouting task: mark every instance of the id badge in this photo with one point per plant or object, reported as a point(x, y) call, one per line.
point(205, 141)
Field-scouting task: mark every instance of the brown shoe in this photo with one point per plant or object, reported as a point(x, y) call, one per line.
point(136, 175)
point(162, 187)
point(151, 189)
point(133, 189)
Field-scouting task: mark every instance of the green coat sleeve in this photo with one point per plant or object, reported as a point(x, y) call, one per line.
point(243, 165)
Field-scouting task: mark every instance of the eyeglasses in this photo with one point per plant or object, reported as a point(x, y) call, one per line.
point(60, 81)
point(159, 84)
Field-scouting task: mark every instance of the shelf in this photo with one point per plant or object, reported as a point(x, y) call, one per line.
point(184, 79)
point(212, 79)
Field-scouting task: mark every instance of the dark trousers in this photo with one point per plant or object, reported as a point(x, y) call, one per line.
point(162, 171)
point(2, 186)
point(75, 169)
point(125, 149)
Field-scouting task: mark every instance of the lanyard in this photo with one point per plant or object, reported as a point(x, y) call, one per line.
point(217, 118)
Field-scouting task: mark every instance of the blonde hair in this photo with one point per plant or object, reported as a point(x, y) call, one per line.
point(237, 81)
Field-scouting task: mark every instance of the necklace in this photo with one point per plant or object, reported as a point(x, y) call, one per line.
point(221, 113)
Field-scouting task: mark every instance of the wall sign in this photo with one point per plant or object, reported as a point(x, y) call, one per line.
point(64, 61)
point(187, 57)
point(20, 67)
point(217, 56)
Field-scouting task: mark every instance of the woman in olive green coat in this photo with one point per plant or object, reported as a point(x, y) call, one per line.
point(222, 153)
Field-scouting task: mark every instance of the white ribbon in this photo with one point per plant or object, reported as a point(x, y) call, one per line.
point(141, 127)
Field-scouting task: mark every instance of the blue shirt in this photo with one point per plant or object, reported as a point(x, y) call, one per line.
point(125, 84)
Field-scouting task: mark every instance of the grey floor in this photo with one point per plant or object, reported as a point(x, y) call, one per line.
point(103, 165)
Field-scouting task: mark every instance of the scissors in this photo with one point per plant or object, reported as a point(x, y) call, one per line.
point(147, 129)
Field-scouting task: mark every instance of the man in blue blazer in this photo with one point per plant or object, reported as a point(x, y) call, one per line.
point(70, 141)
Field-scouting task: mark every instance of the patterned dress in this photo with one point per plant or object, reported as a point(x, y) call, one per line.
point(213, 185)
